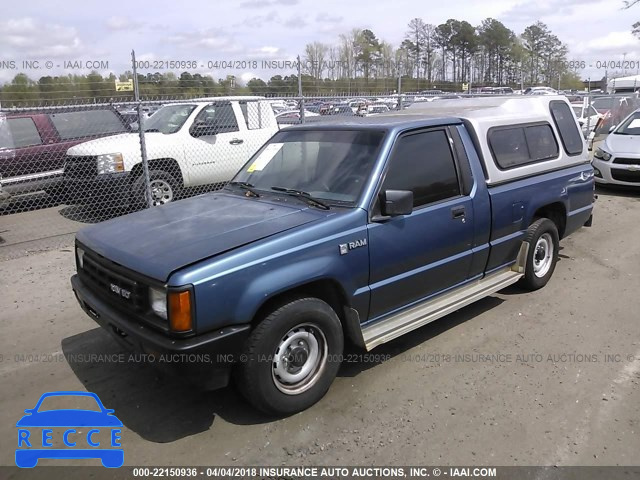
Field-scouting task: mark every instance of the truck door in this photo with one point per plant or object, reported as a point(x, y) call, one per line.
point(216, 147)
point(415, 256)
point(29, 152)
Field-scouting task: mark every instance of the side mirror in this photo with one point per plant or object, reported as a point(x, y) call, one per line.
point(612, 128)
point(396, 202)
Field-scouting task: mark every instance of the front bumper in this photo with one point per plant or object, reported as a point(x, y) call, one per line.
point(610, 173)
point(204, 359)
point(109, 189)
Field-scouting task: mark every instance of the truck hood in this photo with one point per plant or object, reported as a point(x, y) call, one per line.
point(128, 144)
point(161, 240)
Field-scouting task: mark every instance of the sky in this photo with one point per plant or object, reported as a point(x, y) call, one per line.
point(73, 36)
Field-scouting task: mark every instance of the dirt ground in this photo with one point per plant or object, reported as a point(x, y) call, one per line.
point(544, 378)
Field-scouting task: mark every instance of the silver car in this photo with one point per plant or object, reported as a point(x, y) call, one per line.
point(617, 160)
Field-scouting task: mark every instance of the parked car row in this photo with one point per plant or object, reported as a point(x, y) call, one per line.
point(93, 156)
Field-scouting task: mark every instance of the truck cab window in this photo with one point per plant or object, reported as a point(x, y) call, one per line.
point(423, 163)
point(219, 118)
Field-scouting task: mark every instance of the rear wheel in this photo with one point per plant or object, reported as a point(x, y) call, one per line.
point(291, 357)
point(542, 237)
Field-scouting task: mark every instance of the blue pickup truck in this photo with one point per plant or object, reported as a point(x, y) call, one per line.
point(359, 231)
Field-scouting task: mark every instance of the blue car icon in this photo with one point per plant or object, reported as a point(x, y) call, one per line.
point(78, 445)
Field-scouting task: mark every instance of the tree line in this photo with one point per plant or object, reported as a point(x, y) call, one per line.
point(443, 56)
point(454, 52)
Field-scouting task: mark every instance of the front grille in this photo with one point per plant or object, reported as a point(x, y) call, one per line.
point(627, 161)
point(625, 175)
point(113, 287)
point(80, 167)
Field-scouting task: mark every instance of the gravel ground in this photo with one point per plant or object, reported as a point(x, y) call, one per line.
point(544, 378)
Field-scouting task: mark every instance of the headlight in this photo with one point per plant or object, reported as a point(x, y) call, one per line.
point(110, 163)
point(158, 300)
point(80, 257)
point(602, 155)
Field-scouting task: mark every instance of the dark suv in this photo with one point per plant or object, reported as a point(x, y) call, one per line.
point(33, 144)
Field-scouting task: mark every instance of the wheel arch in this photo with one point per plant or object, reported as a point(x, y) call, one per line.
point(556, 212)
point(326, 289)
point(169, 165)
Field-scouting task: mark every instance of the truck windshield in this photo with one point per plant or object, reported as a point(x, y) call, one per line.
point(332, 165)
point(168, 119)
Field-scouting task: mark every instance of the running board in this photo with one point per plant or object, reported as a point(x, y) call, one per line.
point(435, 308)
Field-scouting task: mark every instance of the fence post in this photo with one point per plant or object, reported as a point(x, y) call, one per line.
point(143, 145)
point(588, 109)
point(300, 91)
point(399, 91)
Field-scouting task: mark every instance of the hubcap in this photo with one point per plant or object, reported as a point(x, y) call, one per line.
point(299, 359)
point(161, 192)
point(543, 255)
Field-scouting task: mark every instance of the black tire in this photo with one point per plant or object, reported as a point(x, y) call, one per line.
point(541, 263)
point(165, 189)
point(257, 374)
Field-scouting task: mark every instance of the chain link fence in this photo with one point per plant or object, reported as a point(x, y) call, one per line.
point(100, 160)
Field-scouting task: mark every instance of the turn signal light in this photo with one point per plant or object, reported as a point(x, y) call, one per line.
point(180, 311)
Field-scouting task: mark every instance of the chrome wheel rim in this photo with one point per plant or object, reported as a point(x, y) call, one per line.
point(161, 192)
point(543, 255)
point(299, 359)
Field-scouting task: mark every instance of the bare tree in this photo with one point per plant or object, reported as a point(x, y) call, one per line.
point(414, 41)
point(315, 56)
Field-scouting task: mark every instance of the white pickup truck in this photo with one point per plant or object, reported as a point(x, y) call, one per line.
point(188, 144)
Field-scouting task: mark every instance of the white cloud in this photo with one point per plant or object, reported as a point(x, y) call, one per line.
point(29, 38)
point(212, 39)
point(612, 42)
point(328, 18)
point(246, 76)
point(266, 3)
point(269, 50)
point(117, 23)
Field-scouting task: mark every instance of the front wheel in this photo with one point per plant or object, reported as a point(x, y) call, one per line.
point(164, 189)
point(542, 237)
point(291, 357)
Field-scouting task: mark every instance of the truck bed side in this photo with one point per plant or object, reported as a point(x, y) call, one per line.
point(564, 196)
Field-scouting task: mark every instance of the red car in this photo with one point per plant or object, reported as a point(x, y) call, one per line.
point(33, 144)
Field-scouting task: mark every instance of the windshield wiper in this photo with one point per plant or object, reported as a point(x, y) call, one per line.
point(302, 195)
point(245, 186)
point(151, 130)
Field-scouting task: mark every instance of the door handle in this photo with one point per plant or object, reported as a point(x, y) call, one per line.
point(458, 212)
point(236, 141)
